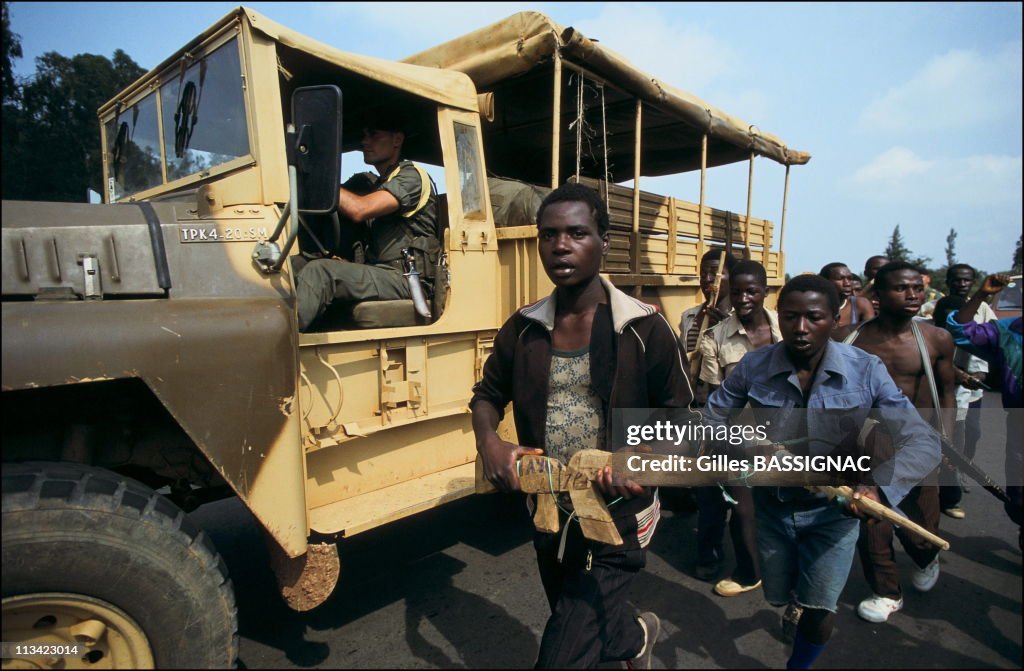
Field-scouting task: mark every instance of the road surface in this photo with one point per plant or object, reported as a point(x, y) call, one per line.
point(458, 587)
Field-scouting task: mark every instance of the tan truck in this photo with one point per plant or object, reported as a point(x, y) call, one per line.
point(151, 358)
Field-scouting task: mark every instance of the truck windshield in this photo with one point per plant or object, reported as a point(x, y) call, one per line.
point(203, 126)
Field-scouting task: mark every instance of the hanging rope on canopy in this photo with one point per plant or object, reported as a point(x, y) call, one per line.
point(580, 120)
point(604, 143)
point(586, 133)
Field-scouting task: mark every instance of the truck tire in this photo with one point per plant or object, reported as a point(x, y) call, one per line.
point(95, 558)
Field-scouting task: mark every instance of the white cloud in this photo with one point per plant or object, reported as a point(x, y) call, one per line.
point(892, 165)
point(899, 175)
point(960, 88)
point(683, 55)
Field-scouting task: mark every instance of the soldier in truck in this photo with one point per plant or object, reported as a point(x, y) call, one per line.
point(399, 212)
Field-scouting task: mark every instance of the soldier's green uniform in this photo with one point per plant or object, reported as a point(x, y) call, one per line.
point(322, 281)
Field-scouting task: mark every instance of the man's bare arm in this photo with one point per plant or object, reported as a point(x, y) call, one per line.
point(362, 208)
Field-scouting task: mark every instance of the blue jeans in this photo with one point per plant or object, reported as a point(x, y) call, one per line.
point(806, 546)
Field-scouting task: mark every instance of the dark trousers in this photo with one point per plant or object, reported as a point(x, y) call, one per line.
point(323, 281)
point(711, 515)
point(591, 622)
point(966, 434)
point(875, 546)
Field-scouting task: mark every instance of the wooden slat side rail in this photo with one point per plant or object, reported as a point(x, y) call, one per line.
point(660, 217)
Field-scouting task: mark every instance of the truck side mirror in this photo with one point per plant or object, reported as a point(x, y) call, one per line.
point(315, 148)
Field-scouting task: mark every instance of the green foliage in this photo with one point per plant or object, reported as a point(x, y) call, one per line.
point(12, 50)
point(51, 134)
point(1016, 267)
point(897, 250)
point(939, 274)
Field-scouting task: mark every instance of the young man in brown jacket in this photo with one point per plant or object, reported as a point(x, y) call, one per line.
point(566, 362)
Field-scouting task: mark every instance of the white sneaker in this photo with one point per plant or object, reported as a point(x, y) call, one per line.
point(652, 627)
point(925, 578)
point(878, 608)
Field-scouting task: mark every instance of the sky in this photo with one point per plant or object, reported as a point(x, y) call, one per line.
point(911, 112)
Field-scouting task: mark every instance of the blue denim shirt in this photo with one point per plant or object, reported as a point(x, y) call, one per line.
point(848, 380)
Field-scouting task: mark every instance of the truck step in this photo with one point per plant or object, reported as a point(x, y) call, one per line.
point(366, 511)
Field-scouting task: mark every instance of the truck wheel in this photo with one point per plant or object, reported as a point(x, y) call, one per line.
point(95, 558)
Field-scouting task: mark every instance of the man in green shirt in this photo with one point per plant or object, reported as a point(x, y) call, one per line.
point(399, 211)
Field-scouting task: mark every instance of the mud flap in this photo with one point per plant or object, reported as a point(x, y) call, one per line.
point(308, 580)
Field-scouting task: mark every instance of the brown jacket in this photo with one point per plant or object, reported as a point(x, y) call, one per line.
point(635, 362)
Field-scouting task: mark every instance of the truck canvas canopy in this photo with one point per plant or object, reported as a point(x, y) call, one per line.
point(510, 58)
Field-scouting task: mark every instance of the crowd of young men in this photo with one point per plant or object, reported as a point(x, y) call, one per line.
point(831, 352)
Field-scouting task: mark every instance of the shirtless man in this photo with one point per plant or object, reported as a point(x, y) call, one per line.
point(890, 336)
point(853, 309)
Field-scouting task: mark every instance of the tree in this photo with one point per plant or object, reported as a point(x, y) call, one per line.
point(939, 274)
point(51, 134)
point(12, 51)
point(11, 94)
point(951, 248)
point(896, 250)
point(1017, 257)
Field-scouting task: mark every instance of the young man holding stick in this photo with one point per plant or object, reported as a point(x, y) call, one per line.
point(714, 286)
point(750, 327)
point(806, 541)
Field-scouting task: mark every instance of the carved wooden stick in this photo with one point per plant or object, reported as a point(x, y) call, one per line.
point(695, 358)
point(547, 477)
point(883, 512)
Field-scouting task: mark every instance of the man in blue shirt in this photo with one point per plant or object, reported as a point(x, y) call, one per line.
point(807, 542)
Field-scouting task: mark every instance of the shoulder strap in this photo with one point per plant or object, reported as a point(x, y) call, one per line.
point(425, 189)
point(926, 363)
point(848, 340)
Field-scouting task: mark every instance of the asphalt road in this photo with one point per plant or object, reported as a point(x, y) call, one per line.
point(457, 587)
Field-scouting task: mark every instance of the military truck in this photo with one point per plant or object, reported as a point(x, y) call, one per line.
point(151, 356)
